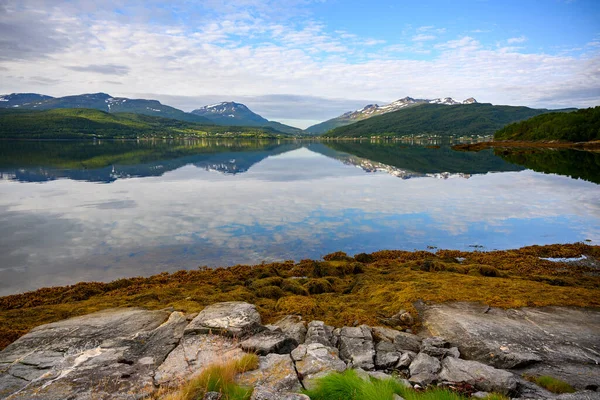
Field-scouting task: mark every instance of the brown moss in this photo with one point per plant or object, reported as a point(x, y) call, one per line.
point(341, 292)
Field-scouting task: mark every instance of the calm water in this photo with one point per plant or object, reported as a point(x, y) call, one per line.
point(73, 211)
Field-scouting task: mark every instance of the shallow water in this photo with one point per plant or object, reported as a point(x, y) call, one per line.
point(73, 211)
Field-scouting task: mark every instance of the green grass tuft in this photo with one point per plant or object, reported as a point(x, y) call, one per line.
point(551, 384)
point(349, 386)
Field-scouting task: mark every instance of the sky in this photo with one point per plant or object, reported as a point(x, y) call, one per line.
point(304, 61)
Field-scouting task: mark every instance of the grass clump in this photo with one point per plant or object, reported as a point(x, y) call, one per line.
point(218, 378)
point(551, 384)
point(349, 386)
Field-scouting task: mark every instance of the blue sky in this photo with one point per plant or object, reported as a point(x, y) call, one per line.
point(303, 61)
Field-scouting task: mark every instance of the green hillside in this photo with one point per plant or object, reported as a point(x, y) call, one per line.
point(578, 126)
point(437, 119)
point(88, 123)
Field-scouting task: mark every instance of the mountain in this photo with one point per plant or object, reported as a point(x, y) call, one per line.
point(372, 110)
point(437, 119)
point(21, 99)
point(64, 123)
point(236, 114)
point(578, 126)
point(99, 101)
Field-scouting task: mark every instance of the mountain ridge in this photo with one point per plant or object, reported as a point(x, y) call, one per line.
point(371, 110)
point(107, 103)
point(436, 119)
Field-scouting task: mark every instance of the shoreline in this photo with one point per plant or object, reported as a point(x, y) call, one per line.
point(592, 146)
point(339, 289)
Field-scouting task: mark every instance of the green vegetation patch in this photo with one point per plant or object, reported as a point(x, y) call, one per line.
point(438, 119)
point(551, 384)
point(80, 123)
point(578, 126)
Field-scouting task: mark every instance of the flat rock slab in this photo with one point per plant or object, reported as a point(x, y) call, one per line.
point(109, 354)
point(275, 372)
point(481, 376)
point(193, 354)
point(562, 341)
point(231, 318)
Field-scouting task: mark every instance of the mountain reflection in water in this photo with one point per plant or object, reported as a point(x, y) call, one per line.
point(73, 211)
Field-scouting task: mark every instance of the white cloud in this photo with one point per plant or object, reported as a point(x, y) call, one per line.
point(237, 52)
point(519, 39)
point(423, 38)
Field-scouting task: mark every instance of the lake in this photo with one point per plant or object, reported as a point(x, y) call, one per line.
point(98, 211)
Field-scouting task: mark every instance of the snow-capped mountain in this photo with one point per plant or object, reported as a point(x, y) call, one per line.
point(375, 109)
point(237, 114)
point(372, 110)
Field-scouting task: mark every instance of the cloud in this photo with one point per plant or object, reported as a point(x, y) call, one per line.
point(244, 50)
point(423, 38)
point(519, 39)
point(106, 69)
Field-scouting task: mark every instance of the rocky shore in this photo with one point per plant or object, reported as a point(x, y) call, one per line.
point(130, 353)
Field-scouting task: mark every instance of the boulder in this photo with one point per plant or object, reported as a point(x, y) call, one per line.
point(424, 369)
point(315, 360)
point(384, 334)
point(268, 341)
point(75, 358)
point(275, 372)
point(232, 318)
point(356, 347)
point(481, 376)
point(318, 332)
point(405, 359)
point(386, 355)
point(293, 326)
point(407, 341)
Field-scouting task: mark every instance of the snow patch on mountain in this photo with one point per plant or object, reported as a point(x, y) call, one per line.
point(371, 110)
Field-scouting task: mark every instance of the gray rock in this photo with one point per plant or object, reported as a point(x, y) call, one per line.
point(261, 393)
point(481, 376)
point(560, 341)
point(212, 396)
point(407, 341)
point(267, 342)
point(384, 334)
point(275, 372)
point(232, 318)
point(405, 359)
point(356, 347)
point(582, 395)
point(386, 355)
point(112, 353)
point(480, 395)
point(315, 360)
point(193, 354)
point(293, 326)
point(453, 352)
point(424, 369)
point(435, 347)
point(318, 332)
point(435, 341)
point(397, 397)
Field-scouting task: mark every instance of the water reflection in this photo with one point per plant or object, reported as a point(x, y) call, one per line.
point(294, 200)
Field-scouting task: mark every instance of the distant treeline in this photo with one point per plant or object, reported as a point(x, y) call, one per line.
point(578, 126)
